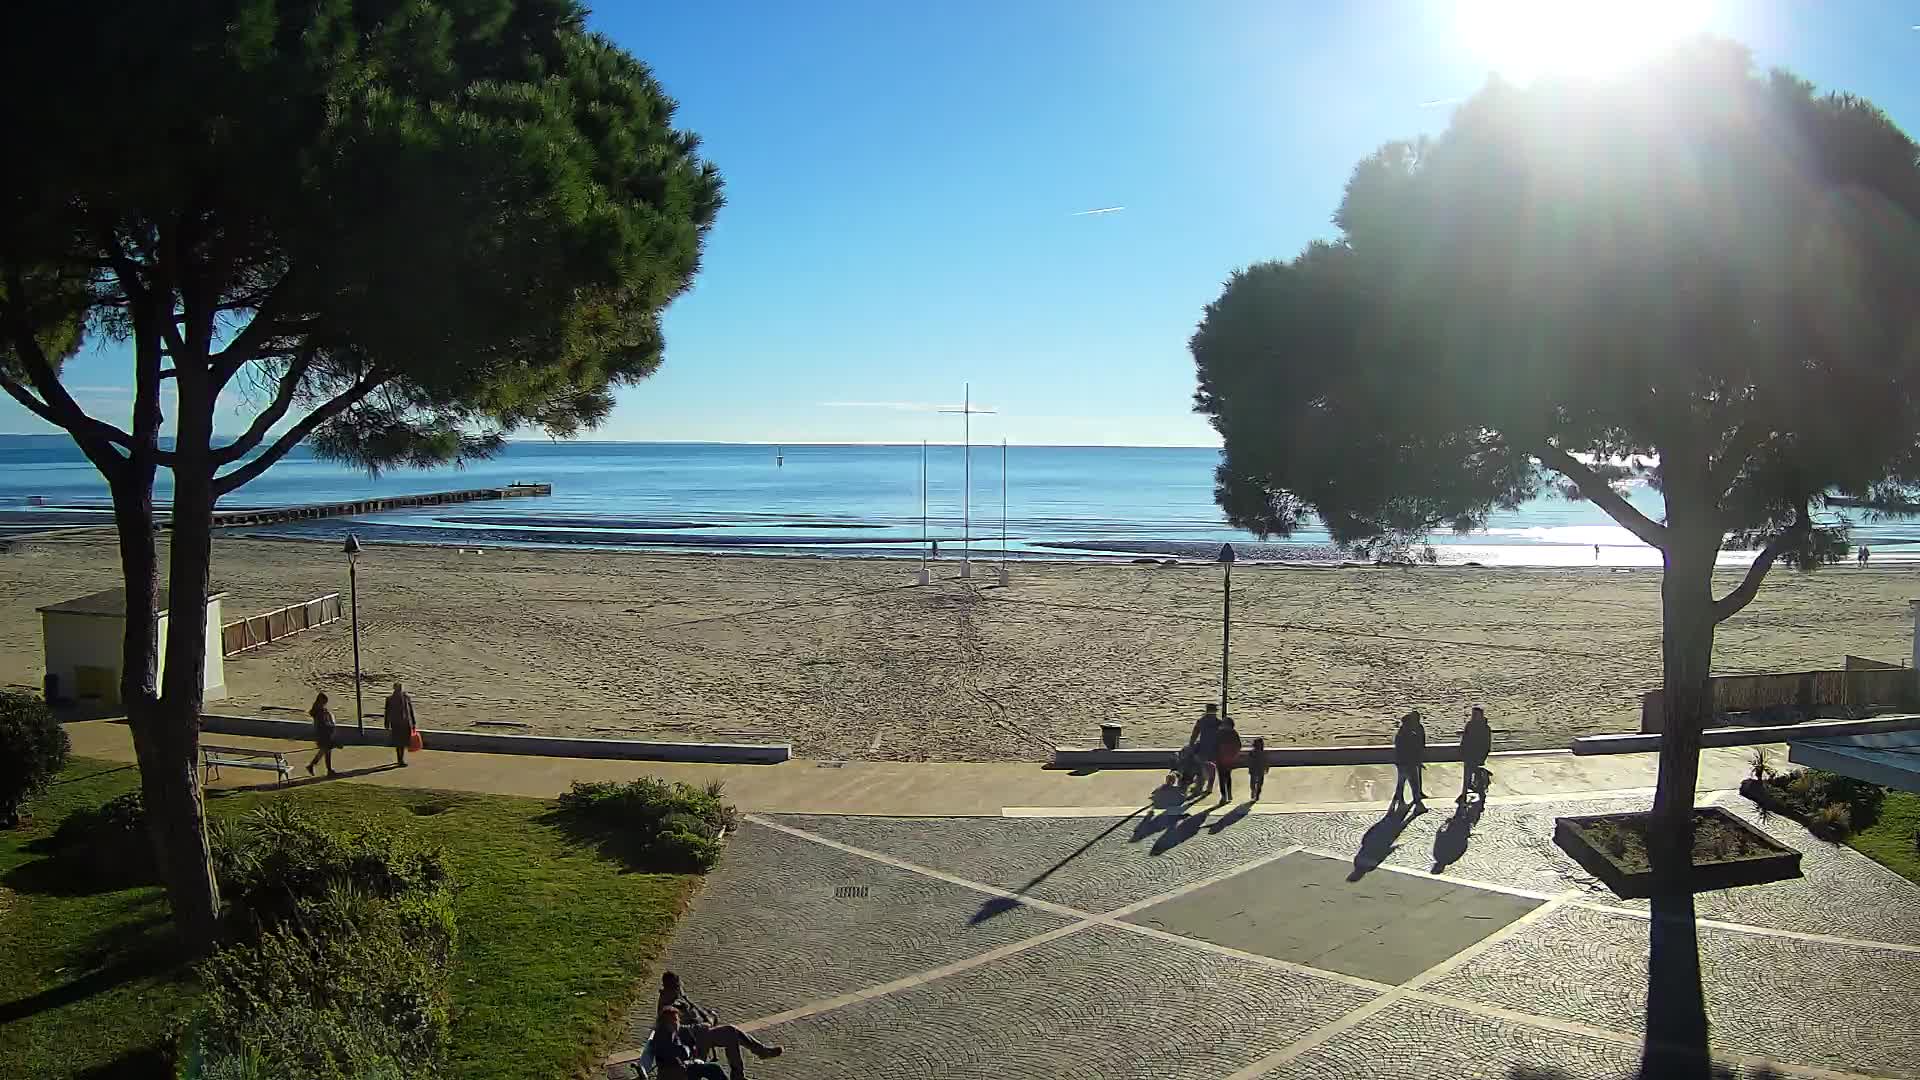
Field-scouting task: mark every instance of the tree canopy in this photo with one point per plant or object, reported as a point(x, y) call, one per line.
point(1696, 269)
point(400, 227)
point(397, 229)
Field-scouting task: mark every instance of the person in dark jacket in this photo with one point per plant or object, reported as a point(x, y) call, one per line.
point(1205, 741)
point(1226, 756)
point(400, 723)
point(675, 1056)
point(1409, 754)
point(323, 733)
point(702, 1027)
point(1476, 742)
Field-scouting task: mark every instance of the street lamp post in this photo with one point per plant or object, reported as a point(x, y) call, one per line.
point(353, 591)
point(1226, 620)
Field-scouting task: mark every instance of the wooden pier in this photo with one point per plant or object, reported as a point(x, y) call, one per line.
point(275, 515)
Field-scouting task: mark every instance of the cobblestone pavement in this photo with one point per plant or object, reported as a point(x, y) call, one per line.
point(1139, 947)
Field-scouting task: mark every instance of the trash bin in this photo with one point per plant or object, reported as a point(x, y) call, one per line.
point(1110, 736)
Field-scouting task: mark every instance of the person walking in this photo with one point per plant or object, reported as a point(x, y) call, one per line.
point(400, 723)
point(1257, 767)
point(1409, 754)
point(1205, 741)
point(323, 732)
point(1476, 742)
point(1865, 554)
point(1226, 756)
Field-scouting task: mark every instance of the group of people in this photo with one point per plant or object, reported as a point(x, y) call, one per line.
point(403, 731)
point(686, 1035)
point(1214, 750)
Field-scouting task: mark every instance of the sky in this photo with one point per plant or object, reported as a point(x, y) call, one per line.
point(907, 187)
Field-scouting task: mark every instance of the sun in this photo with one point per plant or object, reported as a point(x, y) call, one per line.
point(1525, 39)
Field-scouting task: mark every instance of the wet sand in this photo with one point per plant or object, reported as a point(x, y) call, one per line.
point(847, 659)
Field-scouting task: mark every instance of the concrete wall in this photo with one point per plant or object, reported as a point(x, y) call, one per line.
point(481, 742)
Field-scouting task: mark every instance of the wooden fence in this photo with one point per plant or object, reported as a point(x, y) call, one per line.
point(1806, 689)
point(258, 630)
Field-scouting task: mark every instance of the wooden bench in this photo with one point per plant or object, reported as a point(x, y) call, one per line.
point(213, 758)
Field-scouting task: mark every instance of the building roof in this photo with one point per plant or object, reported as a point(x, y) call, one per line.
point(109, 603)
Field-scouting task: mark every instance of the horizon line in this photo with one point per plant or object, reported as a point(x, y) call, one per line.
point(750, 442)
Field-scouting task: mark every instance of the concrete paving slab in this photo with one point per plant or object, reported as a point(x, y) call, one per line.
point(1304, 908)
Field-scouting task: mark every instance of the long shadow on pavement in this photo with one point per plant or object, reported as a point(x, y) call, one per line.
point(1001, 904)
point(1451, 841)
point(1379, 841)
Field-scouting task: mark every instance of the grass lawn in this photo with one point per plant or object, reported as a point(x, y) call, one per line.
point(554, 938)
point(1890, 840)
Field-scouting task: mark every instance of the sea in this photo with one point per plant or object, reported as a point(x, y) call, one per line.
point(908, 502)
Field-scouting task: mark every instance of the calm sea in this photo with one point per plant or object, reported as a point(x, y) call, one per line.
point(1060, 501)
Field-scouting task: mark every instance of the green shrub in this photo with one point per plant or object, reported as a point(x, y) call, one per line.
point(108, 844)
point(275, 864)
point(1833, 821)
point(340, 947)
point(1839, 804)
point(33, 747)
point(654, 825)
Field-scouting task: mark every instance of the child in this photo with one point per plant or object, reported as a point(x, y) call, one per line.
point(1257, 767)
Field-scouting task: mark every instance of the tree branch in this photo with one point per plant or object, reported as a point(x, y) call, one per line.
point(1729, 605)
point(282, 401)
point(1597, 491)
point(95, 438)
point(293, 435)
point(128, 273)
point(247, 344)
point(1740, 446)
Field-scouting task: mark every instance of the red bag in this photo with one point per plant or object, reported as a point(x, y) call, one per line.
point(414, 743)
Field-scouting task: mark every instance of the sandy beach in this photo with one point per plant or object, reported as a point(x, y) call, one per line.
point(847, 659)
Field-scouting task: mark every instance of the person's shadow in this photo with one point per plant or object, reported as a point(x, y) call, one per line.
point(1451, 841)
point(1239, 811)
point(1179, 832)
point(1378, 843)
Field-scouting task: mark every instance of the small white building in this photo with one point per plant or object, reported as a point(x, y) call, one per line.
point(84, 641)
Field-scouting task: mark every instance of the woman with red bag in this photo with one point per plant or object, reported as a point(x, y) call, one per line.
point(400, 726)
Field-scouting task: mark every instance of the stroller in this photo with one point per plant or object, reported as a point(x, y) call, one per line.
point(1188, 772)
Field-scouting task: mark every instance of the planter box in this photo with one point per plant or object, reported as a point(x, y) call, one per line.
point(1754, 857)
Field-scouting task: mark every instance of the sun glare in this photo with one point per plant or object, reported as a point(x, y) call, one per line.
point(1524, 39)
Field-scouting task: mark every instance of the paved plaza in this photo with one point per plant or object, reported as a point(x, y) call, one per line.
point(1177, 945)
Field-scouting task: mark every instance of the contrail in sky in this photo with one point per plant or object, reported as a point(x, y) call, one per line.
point(1434, 103)
point(1097, 210)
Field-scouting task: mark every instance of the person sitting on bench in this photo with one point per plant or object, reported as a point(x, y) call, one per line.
point(674, 1052)
point(706, 1031)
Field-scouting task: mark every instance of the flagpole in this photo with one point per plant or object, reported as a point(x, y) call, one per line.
point(1003, 509)
point(966, 486)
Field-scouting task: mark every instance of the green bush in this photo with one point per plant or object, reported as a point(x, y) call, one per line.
point(655, 825)
point(341, 945)
point(1831, 805)
point(275, 866)
point(108, 844)
point(33, 747)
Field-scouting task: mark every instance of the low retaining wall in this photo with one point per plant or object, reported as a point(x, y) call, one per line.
point(1748, 736)
point(478, 742)
point(1161, 757)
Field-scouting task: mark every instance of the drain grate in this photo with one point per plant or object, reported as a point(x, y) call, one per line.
point(850, 892)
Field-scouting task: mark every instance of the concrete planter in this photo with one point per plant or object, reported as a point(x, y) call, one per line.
point(1754, 859)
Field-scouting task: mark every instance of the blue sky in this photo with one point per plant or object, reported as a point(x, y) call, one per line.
point(903, 182)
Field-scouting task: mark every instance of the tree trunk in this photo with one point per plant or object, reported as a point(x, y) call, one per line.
point(1686, 648)
point(1677, 1028)
point(180, 832)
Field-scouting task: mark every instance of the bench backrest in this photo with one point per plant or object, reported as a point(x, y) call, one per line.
point(239, 751)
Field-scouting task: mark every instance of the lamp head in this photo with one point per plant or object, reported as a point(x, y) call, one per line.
point(352, 545)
